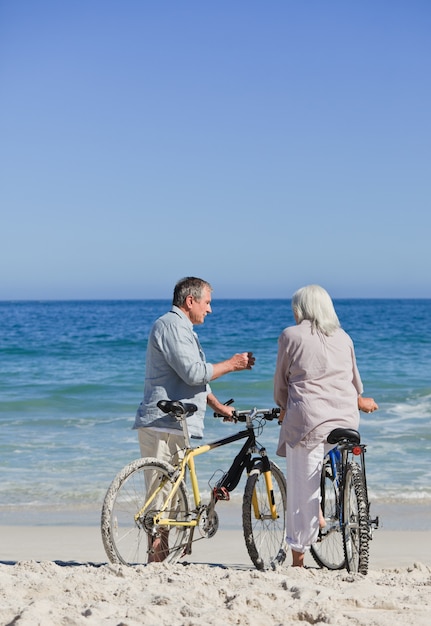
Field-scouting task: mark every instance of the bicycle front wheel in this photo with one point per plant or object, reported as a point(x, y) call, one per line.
point(133, 499)
point(264, 535)
point(328, 550)
point(355, 514)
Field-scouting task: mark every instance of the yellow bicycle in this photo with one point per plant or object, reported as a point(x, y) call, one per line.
point(149, 499)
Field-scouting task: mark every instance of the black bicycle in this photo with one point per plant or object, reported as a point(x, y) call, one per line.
point(344, 540)
point(149, 499)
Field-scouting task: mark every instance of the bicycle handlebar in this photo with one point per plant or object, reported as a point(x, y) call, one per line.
point(183, 409)
point(241, 416)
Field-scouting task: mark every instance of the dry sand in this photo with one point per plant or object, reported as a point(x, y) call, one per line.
point(58, 575)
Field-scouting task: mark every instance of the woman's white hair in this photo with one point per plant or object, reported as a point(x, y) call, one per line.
point(314, 303)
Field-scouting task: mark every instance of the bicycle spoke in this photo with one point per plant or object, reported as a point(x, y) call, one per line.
point(130, 506)
point(264, 536)
point(328, 550)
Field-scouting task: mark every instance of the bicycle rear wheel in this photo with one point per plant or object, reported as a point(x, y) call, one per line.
point(328, 550)
point(355, 528)
point(127, 521)
point(264, 536)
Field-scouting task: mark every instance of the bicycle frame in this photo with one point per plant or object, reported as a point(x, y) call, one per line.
point(227, 483)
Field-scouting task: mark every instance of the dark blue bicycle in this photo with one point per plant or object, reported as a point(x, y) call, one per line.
point(344, 540)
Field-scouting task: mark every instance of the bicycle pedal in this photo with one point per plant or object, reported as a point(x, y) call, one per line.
point(221, 493)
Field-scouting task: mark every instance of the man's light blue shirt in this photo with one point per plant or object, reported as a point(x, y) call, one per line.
point(175, 369)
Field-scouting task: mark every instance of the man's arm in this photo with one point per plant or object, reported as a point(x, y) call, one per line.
point(236, 363)
point(218, 407)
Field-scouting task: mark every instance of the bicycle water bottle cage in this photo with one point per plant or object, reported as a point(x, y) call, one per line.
point(177, 408)
point(340, 434)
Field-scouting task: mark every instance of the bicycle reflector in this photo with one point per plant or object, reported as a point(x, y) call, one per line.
point(357, 450)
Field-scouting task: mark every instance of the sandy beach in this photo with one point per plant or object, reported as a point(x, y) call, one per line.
point(55, 575)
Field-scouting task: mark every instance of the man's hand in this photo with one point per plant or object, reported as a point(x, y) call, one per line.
point(236, 363)
point(242, 361)
point(222, 409)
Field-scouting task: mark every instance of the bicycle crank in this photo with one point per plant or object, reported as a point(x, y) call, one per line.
point(208, 523)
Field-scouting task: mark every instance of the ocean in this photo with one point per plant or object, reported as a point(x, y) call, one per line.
point(71, 378)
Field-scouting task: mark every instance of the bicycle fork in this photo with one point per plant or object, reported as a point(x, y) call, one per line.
point(266, 471)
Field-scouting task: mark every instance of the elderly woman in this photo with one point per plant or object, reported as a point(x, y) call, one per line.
point(318, 387)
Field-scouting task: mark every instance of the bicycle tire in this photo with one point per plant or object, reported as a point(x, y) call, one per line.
point(264, 536)
point(328, 551)
point(125, 539)
point(355, 526)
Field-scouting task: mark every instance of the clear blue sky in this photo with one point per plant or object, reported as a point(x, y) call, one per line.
point(261, 145)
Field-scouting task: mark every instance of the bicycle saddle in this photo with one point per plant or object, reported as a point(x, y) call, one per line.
point(179, 409)
point(338, 434)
